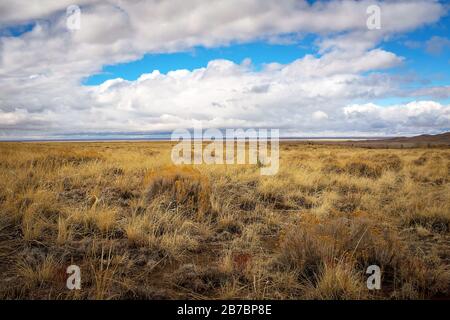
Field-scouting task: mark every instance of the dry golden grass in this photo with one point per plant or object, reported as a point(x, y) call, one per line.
point(141, 228)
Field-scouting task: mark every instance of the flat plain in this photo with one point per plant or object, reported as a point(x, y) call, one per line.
point(141, 228)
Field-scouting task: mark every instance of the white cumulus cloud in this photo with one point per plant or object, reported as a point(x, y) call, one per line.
point(41, 71)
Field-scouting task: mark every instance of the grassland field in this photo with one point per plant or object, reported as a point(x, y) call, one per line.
point(141, 228)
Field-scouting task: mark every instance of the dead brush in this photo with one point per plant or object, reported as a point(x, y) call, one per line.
point(436, 219)
point(420, 161)
point(364, 169)
point(39, 274)
point(315, 246)
point(387, 161)
point(298, 251)
point(185, 187)
point(103, 269)
point(101, 219)
point(310, 231)
point(61, 158)
point(335, 281)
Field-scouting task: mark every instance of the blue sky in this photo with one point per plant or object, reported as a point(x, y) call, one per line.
point(16, 30)
point(431, 69)
point(259, 52)
point(428, 67)
point(423, 67)
point(412, 46)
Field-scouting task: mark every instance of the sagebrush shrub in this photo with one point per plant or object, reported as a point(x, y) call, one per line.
point(185, 186)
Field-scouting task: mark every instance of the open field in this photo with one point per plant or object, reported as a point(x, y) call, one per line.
point(140, 228)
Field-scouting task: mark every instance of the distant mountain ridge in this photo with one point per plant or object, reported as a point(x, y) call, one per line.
point(424, 138)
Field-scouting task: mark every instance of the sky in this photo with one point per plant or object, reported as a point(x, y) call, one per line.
point(132, 68)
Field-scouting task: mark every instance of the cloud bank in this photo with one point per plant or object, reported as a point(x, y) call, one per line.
point(41, 71)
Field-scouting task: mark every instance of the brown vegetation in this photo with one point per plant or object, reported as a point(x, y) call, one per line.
point(141, 228)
